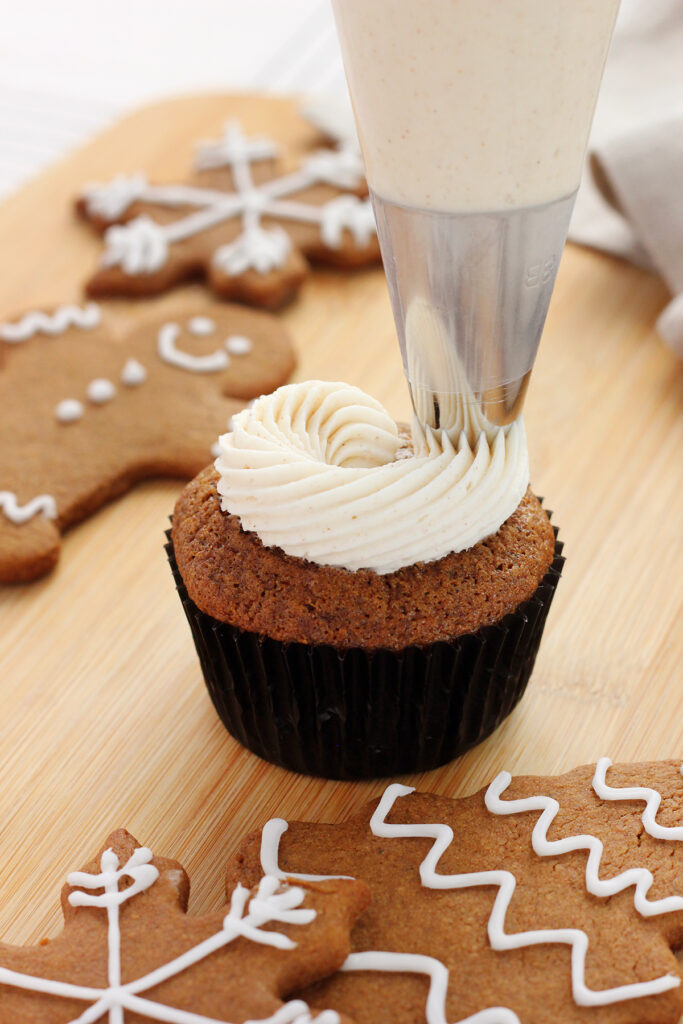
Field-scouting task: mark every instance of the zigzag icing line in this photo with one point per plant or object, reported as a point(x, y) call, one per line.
point(55, 323)
point(21, 514)
point(640, 878)
point(376, 960)
point(506, 882)
point(651, 797)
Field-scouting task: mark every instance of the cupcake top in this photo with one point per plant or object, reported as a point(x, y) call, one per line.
point(321, 471)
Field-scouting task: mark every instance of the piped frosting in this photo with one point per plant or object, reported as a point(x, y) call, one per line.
point(319, 470)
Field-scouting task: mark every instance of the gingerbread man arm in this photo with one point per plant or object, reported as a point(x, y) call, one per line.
point(28, 550)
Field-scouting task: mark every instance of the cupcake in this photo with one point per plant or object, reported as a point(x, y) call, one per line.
point(365, 600)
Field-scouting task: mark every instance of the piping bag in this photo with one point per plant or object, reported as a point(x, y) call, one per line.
point(473, 117)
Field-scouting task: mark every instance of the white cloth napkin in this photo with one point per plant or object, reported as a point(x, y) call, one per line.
point(631, 199)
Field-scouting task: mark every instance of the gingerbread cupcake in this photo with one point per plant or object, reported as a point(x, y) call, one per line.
point(364, 600)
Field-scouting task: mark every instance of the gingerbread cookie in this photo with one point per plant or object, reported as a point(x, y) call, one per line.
point(241, 221)
point(85, 414)
point(535, 901)
point(129, 952)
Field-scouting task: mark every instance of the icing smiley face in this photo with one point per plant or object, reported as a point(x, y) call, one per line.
point(133, 373)
point(89, 413)
point(169, 346)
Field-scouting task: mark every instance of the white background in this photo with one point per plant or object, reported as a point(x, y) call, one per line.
point(67, 67)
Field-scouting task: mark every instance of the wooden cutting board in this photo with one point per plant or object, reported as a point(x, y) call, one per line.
point(105, 720)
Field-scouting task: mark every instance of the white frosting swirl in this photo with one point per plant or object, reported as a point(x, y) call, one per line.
point(317, 470)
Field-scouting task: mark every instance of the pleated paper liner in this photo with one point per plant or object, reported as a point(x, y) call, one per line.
point(354, 714)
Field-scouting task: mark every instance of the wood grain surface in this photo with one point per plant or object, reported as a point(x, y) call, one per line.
point(105, 720)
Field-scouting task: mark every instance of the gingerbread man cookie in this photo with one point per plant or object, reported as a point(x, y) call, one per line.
point(535, 901)
point(85, 414)
point(129, 953)
point(241, 221)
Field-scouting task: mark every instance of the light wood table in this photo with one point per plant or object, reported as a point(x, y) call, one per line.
point(105, 720)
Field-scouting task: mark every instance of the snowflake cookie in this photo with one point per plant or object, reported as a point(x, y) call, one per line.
point(86, 412)
point(129, 952)
point(243, 222)
point(536, 901)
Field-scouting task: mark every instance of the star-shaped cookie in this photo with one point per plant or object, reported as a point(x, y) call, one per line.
point(129, 952)
point(86, 413)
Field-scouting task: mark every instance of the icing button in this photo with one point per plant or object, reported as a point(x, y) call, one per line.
point(133, 374)
point(238, 345)
point(201, 326)
point(100, 390)
point(69, 410)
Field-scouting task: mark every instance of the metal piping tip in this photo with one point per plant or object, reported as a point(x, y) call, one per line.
point(470, 294)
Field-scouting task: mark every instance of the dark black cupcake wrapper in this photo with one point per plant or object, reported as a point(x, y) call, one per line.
point(352, 714)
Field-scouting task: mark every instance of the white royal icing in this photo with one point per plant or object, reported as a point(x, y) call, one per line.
point(506, 882)
point(112, 201)
point(69, 410)
point(234, 148)
point(170, 353)
point(340, 167)
point(376, 960)
point(142, 245)
point(133, 374)
point(651, 797)
point(43, 504)
point(415, 963)
point(51, 324)
point(442, 834)
point(347, 213)
point(314, 469)
point(238, 345)
point(100, 390)
point(272, 902)
point(640, 878)
point(271, 835)
point(255, 249)
point(201, 326)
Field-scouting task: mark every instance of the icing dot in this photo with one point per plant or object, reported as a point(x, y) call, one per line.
point(100, 390)
point(133, 374)
point(69, 410)
point(238, 345)
point(201, 325)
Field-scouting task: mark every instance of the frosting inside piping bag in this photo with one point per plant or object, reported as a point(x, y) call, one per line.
point(319, 470)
